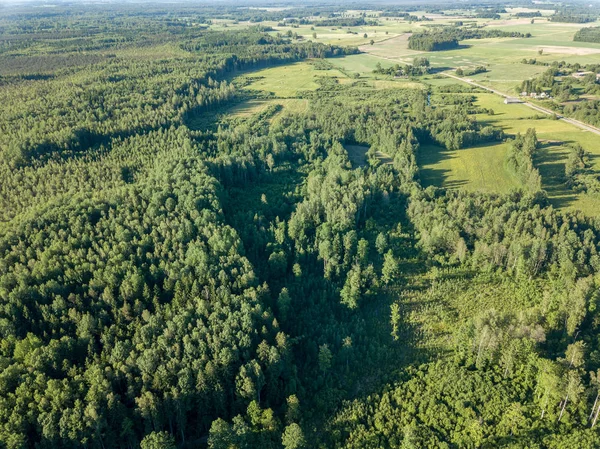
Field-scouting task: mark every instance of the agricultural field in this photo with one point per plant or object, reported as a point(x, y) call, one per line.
point(501, 56)
point(478, 168)
point(483, 168)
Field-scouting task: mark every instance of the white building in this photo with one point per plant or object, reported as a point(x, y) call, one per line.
point(510, 100)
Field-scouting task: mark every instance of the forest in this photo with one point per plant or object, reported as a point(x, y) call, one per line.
point(175, 273)
point(589, 34)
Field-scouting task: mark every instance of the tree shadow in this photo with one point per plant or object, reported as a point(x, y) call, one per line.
point(428, 158)
point(550, 160)
point(438, 69)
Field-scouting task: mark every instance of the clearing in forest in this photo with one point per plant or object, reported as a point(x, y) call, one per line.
point(358, 155)
point(287, 81)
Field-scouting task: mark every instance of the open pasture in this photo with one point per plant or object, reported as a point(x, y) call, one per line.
point(501, 56)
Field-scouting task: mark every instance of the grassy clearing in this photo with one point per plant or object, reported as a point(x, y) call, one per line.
point(357, 154)
point(256, 106)
point(363, 64)
point(395, 47)
point(478, 168)
point(288, 81)
point(244, 110)
point(248, 108)
point(396, 84)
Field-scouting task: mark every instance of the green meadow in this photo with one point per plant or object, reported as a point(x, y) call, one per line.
point(287, 81)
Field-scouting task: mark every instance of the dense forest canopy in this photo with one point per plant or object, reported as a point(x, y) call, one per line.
point(175, 273)
point(589, 34)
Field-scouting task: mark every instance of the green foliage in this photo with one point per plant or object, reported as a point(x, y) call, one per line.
point(447, 38)
point(588, 34)
point(568, 17)
point(432, 42)
point(158, 440)
point(293, 437)
point(242, 284)
point(520, 160)
point(579, 173)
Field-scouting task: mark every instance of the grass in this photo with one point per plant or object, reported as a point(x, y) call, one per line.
point(256, 106)
point(357, 154)
point(288, 81)
point(243, 110)
point(363, 63)
point(480, 168)
point(501, 56)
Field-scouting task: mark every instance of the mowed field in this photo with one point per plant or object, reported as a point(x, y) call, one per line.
point(287, 81)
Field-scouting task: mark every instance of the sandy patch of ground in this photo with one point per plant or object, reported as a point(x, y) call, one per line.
point(579, 51)
point(523, 21)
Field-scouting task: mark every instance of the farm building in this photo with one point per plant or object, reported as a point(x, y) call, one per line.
point(510, 100)
point(580, 74)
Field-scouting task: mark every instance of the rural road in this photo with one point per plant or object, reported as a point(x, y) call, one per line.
point(572, 121)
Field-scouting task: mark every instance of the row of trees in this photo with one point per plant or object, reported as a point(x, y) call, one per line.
point(579, 173)
point(519, 159)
